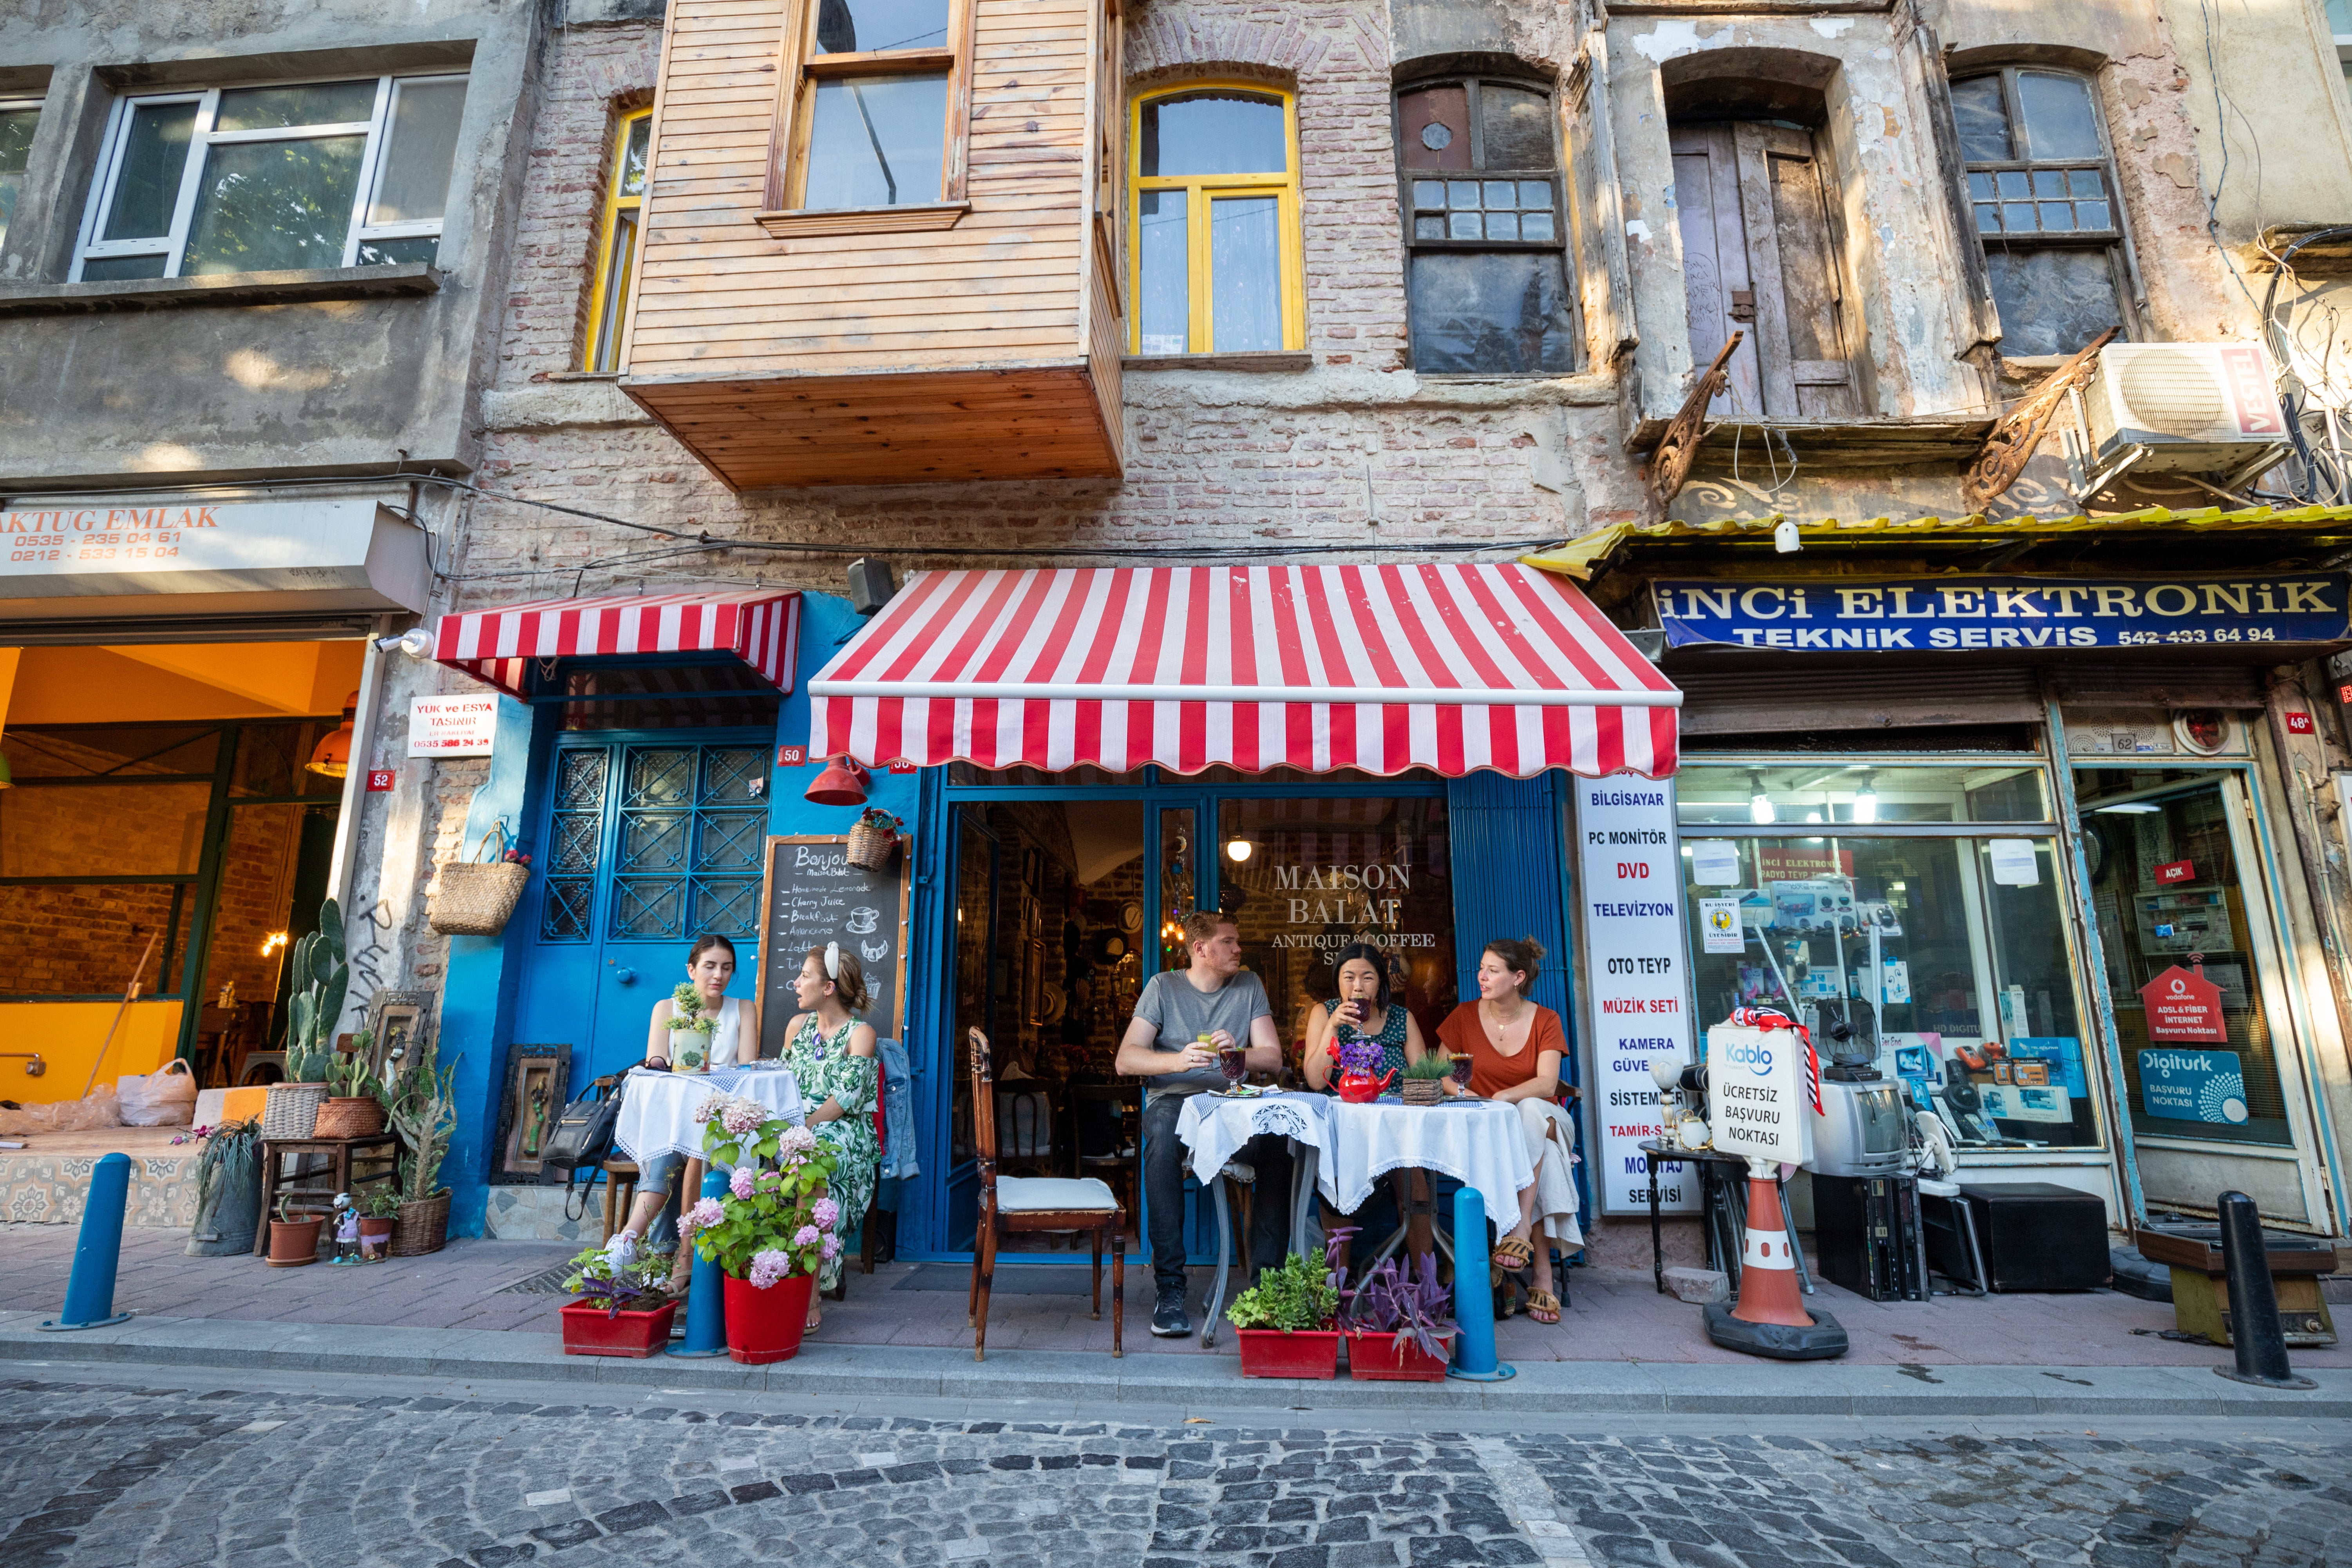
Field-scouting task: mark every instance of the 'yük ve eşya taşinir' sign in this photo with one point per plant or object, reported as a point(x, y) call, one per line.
point(1960, 614)
point(1629, 883)
point(462, 726)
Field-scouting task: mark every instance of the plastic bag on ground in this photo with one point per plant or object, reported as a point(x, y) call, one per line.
point(101, 1109)
point(164, 1098)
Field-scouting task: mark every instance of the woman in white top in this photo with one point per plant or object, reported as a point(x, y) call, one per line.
point(736, 1040)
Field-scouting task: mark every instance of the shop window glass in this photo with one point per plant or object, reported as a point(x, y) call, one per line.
point(1840, 791)
point(16, 124)
point(1486, 267)
point(309, 175)
point(2170, 902)
point(2043, 201)
point(1305, 878)
point(103, 829)
point(1216, 259)
point(274, 760)
point(1947, 958)
point(110, 751)
point(85, 938)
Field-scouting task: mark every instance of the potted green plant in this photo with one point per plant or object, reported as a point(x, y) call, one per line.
point(353, 1108)
point(422, 1103)
point(690, 1029)
point(293, 1240)
point(1286, 1320)
point(1424, 1082)
point(317, 980)
point(379, 1218)
point(624, 1309)
point(771, 1231)
point(228, 1191)
point(1399, 1322)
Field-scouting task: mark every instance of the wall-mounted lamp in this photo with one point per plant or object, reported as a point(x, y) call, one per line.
point(843, 782)
point(276, 940)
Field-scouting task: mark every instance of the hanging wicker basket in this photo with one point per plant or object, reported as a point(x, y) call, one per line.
point(423, 1226)
point(478, 896)
point(359, 1117)
point(291, 1111)
point(873, 848)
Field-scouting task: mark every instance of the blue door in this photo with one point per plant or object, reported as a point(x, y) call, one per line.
point(651, 840)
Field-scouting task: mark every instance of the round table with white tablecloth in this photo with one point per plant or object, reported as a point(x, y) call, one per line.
point(657, 1108)
point(1477, 1141)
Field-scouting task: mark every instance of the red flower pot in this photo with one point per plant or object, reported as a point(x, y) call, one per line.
point(1379, 1358)
point(589, 1329)
point(1290, 1352)
point(764, 1326)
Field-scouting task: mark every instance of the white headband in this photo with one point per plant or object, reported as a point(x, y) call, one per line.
point(833, 960)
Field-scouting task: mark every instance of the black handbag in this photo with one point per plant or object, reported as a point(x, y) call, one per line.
point(583, 1134)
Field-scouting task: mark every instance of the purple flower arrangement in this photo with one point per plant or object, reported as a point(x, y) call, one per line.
point(1356, 1053)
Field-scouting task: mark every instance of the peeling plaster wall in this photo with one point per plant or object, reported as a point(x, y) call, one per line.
point(1897, 231)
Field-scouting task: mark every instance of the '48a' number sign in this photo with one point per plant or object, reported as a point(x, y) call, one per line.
point(1630, 897)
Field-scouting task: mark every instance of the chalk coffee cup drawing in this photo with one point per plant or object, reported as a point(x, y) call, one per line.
point(864, 922)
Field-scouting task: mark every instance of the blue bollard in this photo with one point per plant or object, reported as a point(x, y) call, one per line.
point(90, 1289)
point(705, 1303)
point(1474, 1298)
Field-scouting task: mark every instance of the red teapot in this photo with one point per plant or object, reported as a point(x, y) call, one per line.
point(1357, 1057)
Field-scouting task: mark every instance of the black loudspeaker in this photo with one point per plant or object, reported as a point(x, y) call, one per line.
point(1866, 1229)
point(2037, 1236)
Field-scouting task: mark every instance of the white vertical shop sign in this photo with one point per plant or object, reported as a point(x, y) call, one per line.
point(1636, 980)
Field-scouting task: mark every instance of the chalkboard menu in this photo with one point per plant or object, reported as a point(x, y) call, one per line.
point(810, 895)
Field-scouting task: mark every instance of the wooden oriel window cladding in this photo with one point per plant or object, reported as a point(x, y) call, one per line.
point(873, 117)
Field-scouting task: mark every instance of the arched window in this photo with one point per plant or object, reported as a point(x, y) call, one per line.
point(617, 240)
point(2042, 194)
point(1214, 262)
point(1486, 259)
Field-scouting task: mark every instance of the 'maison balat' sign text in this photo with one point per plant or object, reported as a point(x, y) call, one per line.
point(1959, 615)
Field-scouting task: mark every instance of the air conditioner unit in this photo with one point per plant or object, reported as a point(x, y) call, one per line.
point(2183, 409)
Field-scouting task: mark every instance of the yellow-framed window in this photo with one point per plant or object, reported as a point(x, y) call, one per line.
point(876, 101)
point(1216, 264)
point(617, 240)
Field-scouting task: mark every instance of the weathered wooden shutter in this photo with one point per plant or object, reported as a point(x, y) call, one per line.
point(1602, 271)
point(1760, 255)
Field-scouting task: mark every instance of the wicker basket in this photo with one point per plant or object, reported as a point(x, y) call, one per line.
point(478, 896)
point(1423, 1091)
point(293, 1110)
point(872, 848)
point(361, 1117)
point(421, 1227)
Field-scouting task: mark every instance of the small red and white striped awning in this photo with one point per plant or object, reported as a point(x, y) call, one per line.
point(1451, 668)
point(760, 627)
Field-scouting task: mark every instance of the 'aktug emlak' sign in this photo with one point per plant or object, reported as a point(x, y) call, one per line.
point(1960, 614)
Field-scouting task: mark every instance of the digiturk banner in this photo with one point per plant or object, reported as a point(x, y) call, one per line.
point(1630, 886)
point(1757, 1093)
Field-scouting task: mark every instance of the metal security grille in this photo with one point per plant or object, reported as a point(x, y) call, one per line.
point(671, 832)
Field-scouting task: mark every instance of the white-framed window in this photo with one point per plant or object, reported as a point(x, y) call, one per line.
point(273, 177)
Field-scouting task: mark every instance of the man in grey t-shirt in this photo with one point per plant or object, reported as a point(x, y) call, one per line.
point(1217, 997)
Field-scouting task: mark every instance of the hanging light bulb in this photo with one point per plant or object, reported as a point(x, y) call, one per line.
point(1237, 851)
point(1760, 805)
point(332, 755)
point(1865, 803)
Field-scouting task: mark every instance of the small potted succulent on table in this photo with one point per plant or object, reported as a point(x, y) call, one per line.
point(774, 1229)
point(690, 1029)
point(624, 1309)
point(1424, 1082)
point(1286, 1319)
point(1399, 1322)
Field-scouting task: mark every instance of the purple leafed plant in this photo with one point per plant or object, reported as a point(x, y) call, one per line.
point(1411, 1305)
point(1335, 1259)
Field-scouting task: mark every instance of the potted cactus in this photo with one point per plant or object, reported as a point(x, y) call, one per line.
point(422, 1101)
point(317, 980)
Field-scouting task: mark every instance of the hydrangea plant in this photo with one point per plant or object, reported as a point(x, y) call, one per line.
point(776, 1219)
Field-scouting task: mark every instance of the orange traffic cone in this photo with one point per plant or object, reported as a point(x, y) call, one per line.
point(1767, 1270)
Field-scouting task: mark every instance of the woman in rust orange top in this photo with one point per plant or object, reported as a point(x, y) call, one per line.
point(1514, 1048)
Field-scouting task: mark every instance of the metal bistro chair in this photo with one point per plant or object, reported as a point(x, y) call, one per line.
point(1036, 1206)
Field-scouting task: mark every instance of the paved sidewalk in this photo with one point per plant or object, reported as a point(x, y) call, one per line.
point(1613, 1316)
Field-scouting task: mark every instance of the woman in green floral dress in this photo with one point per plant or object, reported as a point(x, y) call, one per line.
point(831, 1055)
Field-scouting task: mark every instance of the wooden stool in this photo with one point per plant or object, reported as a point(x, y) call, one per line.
point(620, 1193)
point(339, 1152)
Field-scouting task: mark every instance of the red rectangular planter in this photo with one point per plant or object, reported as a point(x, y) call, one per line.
point(592, 1330)
point(1285, 1353)
point(1378, 1358)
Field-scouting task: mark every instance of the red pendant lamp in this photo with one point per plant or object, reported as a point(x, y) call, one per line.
point(332, 755)
point(843, 782)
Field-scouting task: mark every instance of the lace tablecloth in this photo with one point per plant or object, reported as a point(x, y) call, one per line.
point(657, 1108)
point(1214, 1128)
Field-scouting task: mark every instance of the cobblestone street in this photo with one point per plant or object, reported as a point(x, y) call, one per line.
point(107, 1476)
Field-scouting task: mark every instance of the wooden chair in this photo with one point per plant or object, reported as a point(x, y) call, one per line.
point(1026, 1206)
point(620, 1193)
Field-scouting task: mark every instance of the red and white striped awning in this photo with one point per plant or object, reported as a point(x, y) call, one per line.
point(1452, 668)
point(760, 627)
